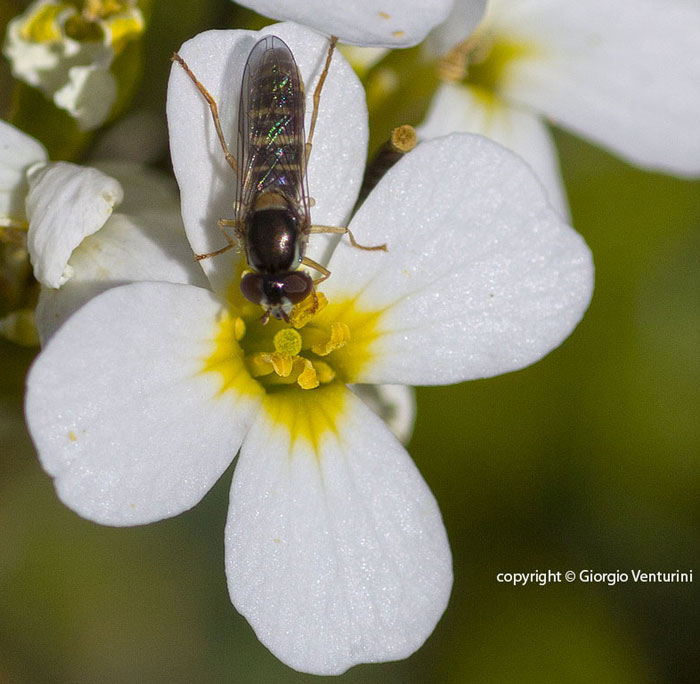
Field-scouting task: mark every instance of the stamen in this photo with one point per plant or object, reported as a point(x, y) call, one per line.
point(290, 356)
point(282, 363)
point(454, 66)
point(339, 337)
point(259, 364)
point(306, 310)
point(307, 378)
point(324, 372)
point(239, 328)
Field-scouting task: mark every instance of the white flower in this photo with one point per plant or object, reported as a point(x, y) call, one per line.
point(67, 53)
point(335, 548)
point(624, 74)
point(389, 23)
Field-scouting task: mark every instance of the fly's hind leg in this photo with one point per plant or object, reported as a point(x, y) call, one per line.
point(317, 96)
point(230, 241)
point(346, 231)
point(213, 108)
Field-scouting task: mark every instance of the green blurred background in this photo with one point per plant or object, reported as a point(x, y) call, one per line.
point(587, 460)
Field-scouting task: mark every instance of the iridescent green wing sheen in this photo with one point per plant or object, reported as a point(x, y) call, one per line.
point(271, 125)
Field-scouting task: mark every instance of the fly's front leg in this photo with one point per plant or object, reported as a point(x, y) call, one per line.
point(317, 281)
point(317, 267)
point(213, 108)
point(317, 97)
point(346, 231)
point(231, 242)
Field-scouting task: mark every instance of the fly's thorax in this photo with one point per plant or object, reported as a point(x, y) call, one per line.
point(275, 235)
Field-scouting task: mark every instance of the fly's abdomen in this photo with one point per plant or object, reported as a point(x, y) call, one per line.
point(271, 121)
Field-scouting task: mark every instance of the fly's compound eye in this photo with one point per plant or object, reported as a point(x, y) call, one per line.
point(252, 287)
point(297, 286)
point(289, 288)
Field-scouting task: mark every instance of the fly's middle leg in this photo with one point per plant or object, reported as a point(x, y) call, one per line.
point(230, 242)
point(346, 231)
point(213, 108)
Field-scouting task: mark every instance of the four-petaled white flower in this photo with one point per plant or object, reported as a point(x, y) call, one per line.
point(389, 23)
point(623, 74)
point(335, 548)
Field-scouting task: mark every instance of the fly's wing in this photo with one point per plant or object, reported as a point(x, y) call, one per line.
point(271, 138)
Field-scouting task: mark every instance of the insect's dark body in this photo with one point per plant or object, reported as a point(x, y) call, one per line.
point(272, 205)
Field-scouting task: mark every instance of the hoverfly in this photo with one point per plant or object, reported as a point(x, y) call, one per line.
point(272, 221)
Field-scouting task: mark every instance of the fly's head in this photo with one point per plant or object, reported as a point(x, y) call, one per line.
point(278, 293)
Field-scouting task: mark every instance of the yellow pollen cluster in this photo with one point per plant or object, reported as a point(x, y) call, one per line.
point(293, 355)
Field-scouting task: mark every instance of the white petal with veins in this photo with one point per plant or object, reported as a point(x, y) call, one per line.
point(481, 275)
point(120, 413)
point(338, 555)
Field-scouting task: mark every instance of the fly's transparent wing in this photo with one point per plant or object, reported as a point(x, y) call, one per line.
point(271, 140)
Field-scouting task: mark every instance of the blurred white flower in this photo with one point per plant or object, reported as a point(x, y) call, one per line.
point(66, 52)
point(623, 74)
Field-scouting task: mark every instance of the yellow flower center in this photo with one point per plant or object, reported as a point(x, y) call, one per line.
point(322, 348)
point(280, 354)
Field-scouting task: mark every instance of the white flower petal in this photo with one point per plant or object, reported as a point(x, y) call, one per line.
point(338, 555)
point(389, 23)
point(120, 411)
point(126, 249)
point(207, 183)
point(458, 108)
point(462, 20)
point(88, 95)
point(624, 74)
point(481, 276)
point(65, 204)
point(18, 151)
point(394, 404)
